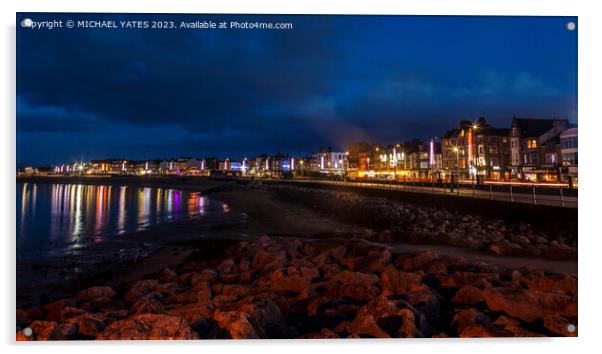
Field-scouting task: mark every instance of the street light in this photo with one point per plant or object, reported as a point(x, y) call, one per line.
point(405, 166)
point(475, 127)
point(457, 151)
point(346, 165)
point(394, 161)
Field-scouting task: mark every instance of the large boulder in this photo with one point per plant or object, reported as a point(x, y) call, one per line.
point(94, 293)
point(468, 295)
point(338, 253)
point(53, 310)
point(309, 272)
point(236, 289)
point(201, 292)
point(348, 277)
point(91, 325)
point(208, 275)
point(529, 305)
point(461, 279)
point(167, 275)
point(472, 323)
point(356, 291)
point(330, 270)
point(226, 265)
point(236, 323)
point(149, 326)
point(513, 326)
point(98, 304)
point(265, 316)
point(196, 315)
point(373, 262)
point(395, 282)
point(414, 261)
point(264, 259)
point(560, 282)
point(560, 325)
point(383, 318)
point(139, 289)
point(298, 284)
point(426, 302)
point(167, 288)
point(149, 303)
point(71, 312)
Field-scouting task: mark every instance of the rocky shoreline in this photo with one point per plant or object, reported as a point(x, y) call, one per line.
point(276, 287)
point(333, 266)
point(409, 223)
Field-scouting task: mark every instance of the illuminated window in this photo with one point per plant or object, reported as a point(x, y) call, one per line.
point(569, 159)
point(532, 143)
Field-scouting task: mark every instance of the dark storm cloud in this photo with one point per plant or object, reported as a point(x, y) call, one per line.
point(41, 118)
point(179, 77)
point(329, 81)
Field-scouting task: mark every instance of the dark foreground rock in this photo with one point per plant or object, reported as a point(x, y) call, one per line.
point(325, 288)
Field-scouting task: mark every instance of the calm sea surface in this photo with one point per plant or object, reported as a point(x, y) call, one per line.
point(53, 217)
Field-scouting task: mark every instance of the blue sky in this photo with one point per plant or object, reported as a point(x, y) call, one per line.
point(330, 81)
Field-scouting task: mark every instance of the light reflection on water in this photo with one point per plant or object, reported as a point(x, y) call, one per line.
point(52, 216)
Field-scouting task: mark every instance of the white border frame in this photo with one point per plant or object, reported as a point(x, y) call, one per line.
point(590, 25)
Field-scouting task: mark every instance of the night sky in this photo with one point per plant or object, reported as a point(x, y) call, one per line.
point(331, 80)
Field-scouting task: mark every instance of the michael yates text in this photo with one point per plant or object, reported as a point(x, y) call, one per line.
point(112, 24)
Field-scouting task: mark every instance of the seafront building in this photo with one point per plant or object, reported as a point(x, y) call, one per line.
point(568, 153)
point(535, 148)
point(476, 150)
point(329, 162)
point(529, 150)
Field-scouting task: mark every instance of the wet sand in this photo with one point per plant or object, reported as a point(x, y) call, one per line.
point(278, 217)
